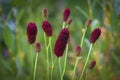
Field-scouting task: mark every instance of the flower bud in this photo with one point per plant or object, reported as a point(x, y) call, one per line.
point(66, 14)
point(61, 42)
point(92, 64)
point(31, 32)
point(95, 35)
point(77, 50)
point(45, 13)
point(38, 47)
point(69, 21)
point(46, 26)
point(88, 22)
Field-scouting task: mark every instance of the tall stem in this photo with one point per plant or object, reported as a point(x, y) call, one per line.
point(60, 68)
point(86, 61)
point(53, 66)
point(50, 43)
point(81, 44)
point(47, 47)
point(65, 60)
point(63, 25)
point(36, 58)
point(77, 59)
point(90, 8)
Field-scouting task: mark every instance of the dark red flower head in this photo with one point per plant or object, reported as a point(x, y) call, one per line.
point(45, 13)
point(88, 22)
point(95, 35)
point(92, 64)
point(47, 28)
point(66, 14)
point(38, 47)
point(61, 42)
point(77, 50)
point(31, 32)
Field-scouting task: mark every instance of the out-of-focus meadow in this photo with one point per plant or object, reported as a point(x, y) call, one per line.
point(17, 56)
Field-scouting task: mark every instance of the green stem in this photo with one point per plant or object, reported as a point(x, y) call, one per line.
point(90, 8)
point(77, 60)
point(47, 47)
point(45, 39)
point(50, 43)
point(60, 68)
point(36, 58)
point(86, 61)
point(65, 60)
point(81, 44)
point(63, 25)
point(53, 66)
point(66, 26)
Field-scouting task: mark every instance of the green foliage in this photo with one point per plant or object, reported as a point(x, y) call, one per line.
point(20, 58)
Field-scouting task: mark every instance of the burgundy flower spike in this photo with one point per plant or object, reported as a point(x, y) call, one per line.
point(61, 42)
point(47, 28)
point(95, 35)
point(66, 14)
point(31, 32)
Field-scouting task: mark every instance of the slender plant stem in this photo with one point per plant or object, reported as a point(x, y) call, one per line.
point(65, 60)
point(75, 67)
point(86, 61)
point(90, 8)
point(35, 65)
point(53, 66)
point(81, 44)
point(50, 43)
point(77, 60)
point(60, 68)
point(47, 47)
point(63, 25)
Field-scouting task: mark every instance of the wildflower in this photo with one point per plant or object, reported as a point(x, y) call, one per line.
point(88, 22)
point(61, 42)
point(45, 13)
point(92, 64)
point(66, 14)
point(31, 32)
point(37, 47)
point(95, 35)
point(47, 28)
point(77, 50)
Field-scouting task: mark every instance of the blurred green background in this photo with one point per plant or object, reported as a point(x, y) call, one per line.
point(17, 56)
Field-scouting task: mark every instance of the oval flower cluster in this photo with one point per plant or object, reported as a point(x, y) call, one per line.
point(61, 42)
point(31, 32)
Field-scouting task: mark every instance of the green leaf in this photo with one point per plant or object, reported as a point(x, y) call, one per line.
point(8, 37)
